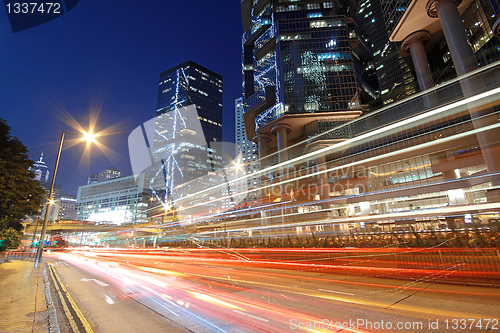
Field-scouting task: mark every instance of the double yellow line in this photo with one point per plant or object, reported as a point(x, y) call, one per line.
point(67, 303)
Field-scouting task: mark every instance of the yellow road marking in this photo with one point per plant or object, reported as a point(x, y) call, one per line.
point(80, 315)
point(72, 322)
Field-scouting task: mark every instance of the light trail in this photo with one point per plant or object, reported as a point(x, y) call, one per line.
point(333, 147)
point(251, 297)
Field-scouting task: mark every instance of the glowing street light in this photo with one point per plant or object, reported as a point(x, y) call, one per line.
point(238, 166)
point(89, 137)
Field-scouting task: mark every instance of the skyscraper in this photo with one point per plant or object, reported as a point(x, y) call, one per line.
point(41, 172)
point(395, 79)
point(188, 84)
point(248, 151)
point(307, 68)
point(188, 133)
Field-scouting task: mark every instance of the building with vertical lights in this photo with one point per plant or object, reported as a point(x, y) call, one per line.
point(188, 135)
point(307, 68)
point(41, 171)
point(248, 151)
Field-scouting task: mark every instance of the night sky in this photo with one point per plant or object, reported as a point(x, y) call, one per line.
point(105, 57)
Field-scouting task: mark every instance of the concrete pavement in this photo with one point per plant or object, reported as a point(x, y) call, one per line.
point(22, 300)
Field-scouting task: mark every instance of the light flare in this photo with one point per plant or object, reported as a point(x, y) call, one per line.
point(214, 300)
point(160, 271)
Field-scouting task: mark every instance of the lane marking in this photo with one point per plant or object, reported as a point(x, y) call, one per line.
point(336, 292)
point(69, 316)
point(83, 320)
point(251, 316)
point(102, 284)
point(109, 300)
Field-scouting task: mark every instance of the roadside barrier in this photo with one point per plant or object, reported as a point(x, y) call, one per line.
point(16, 255)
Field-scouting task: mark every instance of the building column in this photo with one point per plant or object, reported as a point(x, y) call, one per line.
point(464, 62)
point(262, 140)
point(415, 45)
point(496, 28)
point(323, 184)
point(456, 38)
point(281, 131)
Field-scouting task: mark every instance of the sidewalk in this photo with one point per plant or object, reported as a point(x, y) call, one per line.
point(22, 299)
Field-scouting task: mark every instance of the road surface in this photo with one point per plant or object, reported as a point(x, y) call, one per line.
point(127, 292)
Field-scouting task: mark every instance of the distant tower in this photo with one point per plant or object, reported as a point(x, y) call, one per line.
point(109, 173)
point(248, 151)
point(184, 85)
point(41, 171)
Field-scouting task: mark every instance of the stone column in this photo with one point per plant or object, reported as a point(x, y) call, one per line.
point(465, 61)
point(262, 140)
point(415, 45)
point(323, 184)
point(457, 40)
point(281, 131)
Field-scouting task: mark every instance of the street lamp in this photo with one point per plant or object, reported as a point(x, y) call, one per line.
point(89, 137)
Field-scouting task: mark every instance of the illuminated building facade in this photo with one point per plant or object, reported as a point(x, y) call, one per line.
point(307, 68)
point(41, 172)
point(190, 83)
point(116, 201)
point(64, 208)
point(395, 78)
point(458, 37)
point(424, 39)
point(248, 151)
point(188, 135)
point(109, 173)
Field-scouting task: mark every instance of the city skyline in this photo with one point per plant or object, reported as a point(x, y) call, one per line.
point(89, 60)
point(361, 193)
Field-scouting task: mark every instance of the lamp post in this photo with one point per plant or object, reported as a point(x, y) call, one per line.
point(90, 137)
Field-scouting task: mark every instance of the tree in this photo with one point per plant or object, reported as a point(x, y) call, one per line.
point(20, 194)
point(10, 238)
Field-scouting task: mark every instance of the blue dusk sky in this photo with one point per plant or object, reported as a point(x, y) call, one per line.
point(105, 57)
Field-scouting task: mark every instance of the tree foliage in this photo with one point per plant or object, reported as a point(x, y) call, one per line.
point(20, 194)
point(10, 238)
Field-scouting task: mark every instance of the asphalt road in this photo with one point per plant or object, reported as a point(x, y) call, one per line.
point(120, 292)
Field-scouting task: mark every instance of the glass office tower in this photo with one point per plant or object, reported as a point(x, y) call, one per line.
point(190, 83)
point(303, 62)
point(395, 78)
point(188, 134)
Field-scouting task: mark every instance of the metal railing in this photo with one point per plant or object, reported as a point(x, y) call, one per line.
point(16, 255)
